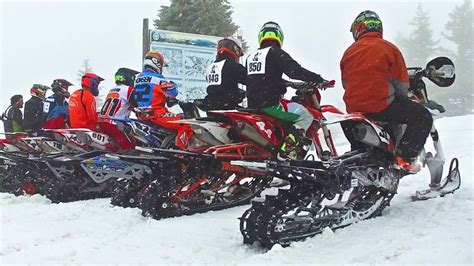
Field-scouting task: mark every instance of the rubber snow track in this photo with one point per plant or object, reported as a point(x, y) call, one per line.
point(435, 231)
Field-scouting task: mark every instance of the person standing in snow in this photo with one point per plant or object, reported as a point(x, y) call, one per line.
point(82, 105)
point(224, 75)
point(56, 107)
point(34, 119)
point(375, 79)
point(265, 86)
point(13, 117)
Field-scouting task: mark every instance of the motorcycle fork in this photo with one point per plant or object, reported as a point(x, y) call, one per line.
point(313, 133)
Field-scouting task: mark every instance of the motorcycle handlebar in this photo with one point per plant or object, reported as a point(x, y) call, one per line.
point(310, 86)
point(419, 72)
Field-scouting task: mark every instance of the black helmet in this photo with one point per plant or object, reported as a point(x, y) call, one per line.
point(125, 76)
point(60, 87)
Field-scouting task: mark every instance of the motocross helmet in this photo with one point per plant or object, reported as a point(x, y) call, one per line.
point(231, 46)
point(125, 76)
point(39, 91)
point(91, 81)
point(60, 87)
point(271, 31)
point(155, 61)
point(366, 21)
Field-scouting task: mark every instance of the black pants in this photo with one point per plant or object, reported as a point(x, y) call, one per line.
point(401, 111)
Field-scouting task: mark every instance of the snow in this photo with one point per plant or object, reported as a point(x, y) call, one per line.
point(33, 230)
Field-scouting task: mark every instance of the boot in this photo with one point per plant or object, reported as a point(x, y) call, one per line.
point(408, 166)
point(292, 145)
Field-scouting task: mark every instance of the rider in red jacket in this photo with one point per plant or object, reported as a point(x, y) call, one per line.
point(82, 106)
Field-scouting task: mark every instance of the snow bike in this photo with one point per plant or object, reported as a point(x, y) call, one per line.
point(15, 152)
point(83, 169)
point(251, 136)
point(22, 142)
point(343, 190)
point(150, 138)
point(72, 160)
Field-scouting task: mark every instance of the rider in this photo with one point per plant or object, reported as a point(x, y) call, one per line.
point(152, 92)
point(12, 117)
point(56, 107)
point(224, 75)
point(265, 86)
point(34, 120)
point(376, 82)
point(82, 106)
point(118, 103)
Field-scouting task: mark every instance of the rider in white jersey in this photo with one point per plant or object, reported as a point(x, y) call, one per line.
point(118, 103)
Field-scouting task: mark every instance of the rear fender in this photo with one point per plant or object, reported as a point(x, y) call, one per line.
point(200, 129)
point(331, 109)
point(265, 125)
point(335, 118)
point(69, 138)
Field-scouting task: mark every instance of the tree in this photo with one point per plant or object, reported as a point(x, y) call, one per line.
point(209, 17)
point(87, 68)
point(419, 46)
point(459, 31)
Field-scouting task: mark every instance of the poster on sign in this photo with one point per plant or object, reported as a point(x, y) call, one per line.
point(187, 57)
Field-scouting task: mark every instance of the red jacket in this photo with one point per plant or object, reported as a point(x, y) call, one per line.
point(373, 72)
point(82, 110)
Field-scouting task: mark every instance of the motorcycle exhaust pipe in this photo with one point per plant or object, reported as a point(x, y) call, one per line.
point(252, 133)
point(367, 135)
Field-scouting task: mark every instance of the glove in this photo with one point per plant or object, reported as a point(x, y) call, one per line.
point(171, 101)
point(327, 84)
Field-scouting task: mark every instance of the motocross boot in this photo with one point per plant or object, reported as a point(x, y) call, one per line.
point(408, 166)
point(292, 146)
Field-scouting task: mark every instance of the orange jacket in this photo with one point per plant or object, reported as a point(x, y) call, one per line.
point(82, 110)
point(373, 72)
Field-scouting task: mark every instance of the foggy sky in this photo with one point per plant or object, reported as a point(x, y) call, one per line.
point(44, 40)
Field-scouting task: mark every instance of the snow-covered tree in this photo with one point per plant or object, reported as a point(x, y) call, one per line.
point(459, 31)
point(419, 46)
point(86, 67)
point(208, 17)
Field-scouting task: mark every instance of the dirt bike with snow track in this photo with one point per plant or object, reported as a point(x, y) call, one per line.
point(252, 137)
point(349, 188)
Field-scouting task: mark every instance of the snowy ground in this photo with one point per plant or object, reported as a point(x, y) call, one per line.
point(436, 231)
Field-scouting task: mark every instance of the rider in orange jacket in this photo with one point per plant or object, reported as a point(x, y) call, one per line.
point(82, 106)
point(375, 79)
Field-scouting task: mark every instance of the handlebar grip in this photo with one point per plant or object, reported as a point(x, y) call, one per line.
point(436, 73)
